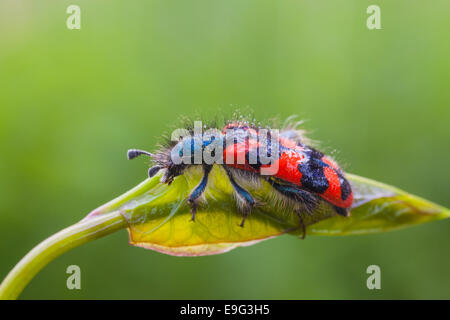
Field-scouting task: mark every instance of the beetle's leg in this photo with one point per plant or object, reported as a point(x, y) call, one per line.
point(299, 195)
point(306, 198)
point(302, 223)
point(153, 170)
point(198, 190)
point(243, 194)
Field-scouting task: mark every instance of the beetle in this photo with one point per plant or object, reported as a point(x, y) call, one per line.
point(303, 174)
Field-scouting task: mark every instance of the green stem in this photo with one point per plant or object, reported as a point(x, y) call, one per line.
point(54, 246)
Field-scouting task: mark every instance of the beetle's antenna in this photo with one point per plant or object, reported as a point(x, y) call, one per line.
point(133, 153)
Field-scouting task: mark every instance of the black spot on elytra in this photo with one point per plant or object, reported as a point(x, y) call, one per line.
point(346, 189)
point(256, 165)
point(315, 153)
point(313, 178)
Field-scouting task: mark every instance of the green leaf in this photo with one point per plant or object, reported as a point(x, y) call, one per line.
point(158, 216)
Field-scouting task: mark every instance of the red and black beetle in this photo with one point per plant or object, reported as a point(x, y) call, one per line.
point(303, 174)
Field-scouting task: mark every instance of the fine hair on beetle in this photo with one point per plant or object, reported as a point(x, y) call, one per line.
point(297, 172)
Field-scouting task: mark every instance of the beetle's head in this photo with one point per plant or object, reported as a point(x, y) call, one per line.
point(173, 160)
point(186, 152)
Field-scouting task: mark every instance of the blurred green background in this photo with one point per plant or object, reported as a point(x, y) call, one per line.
point(73, 101)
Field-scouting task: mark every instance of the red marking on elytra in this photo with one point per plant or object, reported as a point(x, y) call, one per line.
point(333, 193)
